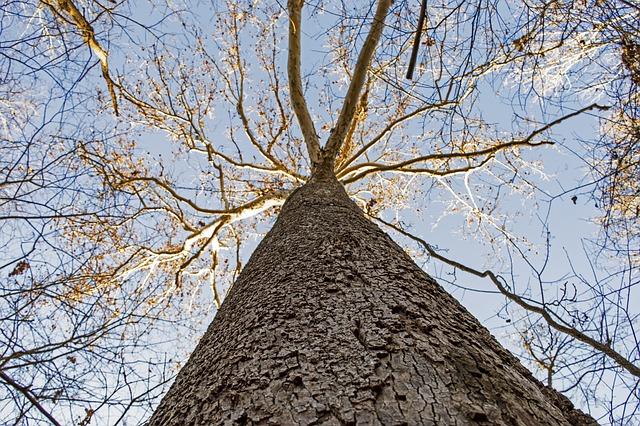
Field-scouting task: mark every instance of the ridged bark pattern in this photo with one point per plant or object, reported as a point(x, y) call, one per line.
point(332, 323)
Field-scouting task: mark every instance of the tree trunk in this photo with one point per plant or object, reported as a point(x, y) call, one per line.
point(332, 323)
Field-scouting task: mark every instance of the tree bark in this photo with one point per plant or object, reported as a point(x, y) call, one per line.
point(332, 323)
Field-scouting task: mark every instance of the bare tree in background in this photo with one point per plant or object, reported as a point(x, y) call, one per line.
point(163, 142)
point(67, 351)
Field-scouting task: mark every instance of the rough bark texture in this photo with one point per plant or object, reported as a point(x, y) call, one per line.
point(332, 323)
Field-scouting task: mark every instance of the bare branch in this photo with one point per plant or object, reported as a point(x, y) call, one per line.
point(295, 82)
point(395, 123)
point(364, 169)
point(351, 174)
point(27, 393)
point(89, 36)
point(352, 97)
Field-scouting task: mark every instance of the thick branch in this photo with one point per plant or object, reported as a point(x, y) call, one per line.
point(239, 71)
point(434, 172)
point(355, 173)
point(295, 83)
point(544, 313)
point(355, 87)
point(359, 171)
point(89, 36)
point(416, 40)
point(202, 237)
point(249, 209)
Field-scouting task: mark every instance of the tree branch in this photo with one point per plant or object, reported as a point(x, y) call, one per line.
point(350, 174)
point(420, 170)
point(295, 83)
point(27, 393)
point(352, 97)
point(89, 36)
point(403, 166)
point(392, 125)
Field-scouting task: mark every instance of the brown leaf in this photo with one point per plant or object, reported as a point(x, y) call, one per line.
point(20, 268)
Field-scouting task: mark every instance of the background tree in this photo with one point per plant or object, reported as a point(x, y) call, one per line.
point(69, 348)
point(175, 190)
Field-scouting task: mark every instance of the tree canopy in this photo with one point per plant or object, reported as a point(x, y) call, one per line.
point(146, 147)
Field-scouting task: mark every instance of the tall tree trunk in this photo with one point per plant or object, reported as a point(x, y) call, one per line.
point(332, 323)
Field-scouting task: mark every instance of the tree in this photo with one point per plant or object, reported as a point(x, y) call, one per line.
point(147, 228)
point(348, 330)
point(342, 331)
